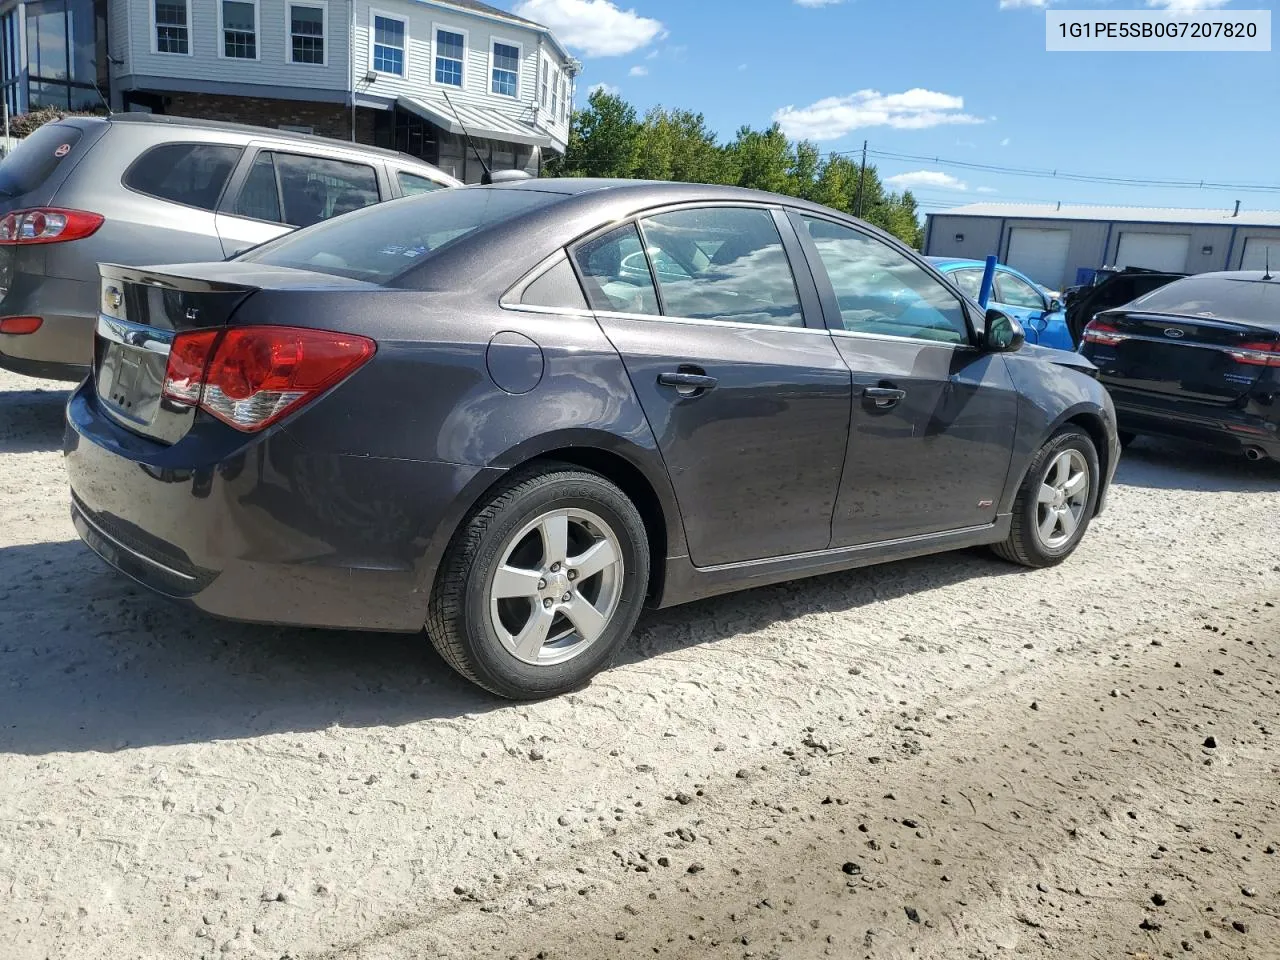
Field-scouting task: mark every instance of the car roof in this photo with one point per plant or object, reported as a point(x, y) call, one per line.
point(646, 193)
point(246, 130)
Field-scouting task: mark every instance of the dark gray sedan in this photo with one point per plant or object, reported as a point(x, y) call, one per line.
point(517, 414)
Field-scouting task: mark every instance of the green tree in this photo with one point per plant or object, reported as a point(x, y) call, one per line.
point(760, 159)
point(676, 145)
point(603, 140)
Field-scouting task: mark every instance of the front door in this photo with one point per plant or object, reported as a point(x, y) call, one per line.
point(933, 422)
point(750, 408)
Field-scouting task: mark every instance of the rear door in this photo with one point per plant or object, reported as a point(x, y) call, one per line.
point(931, 435)
point(279, 189)
point(749, 405)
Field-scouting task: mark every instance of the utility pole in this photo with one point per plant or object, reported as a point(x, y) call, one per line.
point(862, 179)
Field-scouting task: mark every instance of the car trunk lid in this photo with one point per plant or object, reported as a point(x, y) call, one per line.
point(1210, 360)
point(142, 309)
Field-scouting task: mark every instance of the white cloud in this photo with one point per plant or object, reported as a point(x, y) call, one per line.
point(608, 88)
point(832, 117)
point(1188, 4)
point(638, 71)
point(926, 178)
point(1006, 141)
point(596, 27)
point(987, 190)
point(742, 66)
point(817, 3)
point(651, 55)
point(1006, 4)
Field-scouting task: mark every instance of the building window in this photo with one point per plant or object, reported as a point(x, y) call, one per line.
point(555, 93)
point(65, 40)
point(173, 26)
point(506, 69)
point(564, 98)
point(239, 29)
point(389, 36)
point(450, 49)
point(307, 32)
point(542, 86)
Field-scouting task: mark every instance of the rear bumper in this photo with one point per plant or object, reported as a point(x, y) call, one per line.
point(258, 528)
point(1227, 428)
point(62, 349)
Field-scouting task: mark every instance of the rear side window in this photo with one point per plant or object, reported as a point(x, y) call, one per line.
point(969, 282)
point(558, 287)
point(722, 263)
point(411, 184)
point(386, 241)
point(300, 190)
point(36, 157)
point(616, 273)
point(188, 173)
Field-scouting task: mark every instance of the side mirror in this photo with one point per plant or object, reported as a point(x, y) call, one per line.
point(1054, 305)
point(1003, 334)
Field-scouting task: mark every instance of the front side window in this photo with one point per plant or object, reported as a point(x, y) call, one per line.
point(880, 291)
point(173, 30)
point(388, 45)
point(506, 69)
point(188, 173)
point(411, 184)
point(306, 33)
point(450, 49)
point(723, 263)
point(239, 30)
point(1016, 292)
point(616, 273)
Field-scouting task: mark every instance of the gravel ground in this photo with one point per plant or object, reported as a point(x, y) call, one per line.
point(947, 757)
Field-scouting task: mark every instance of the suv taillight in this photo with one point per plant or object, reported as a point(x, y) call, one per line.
point(250, 377)
point(47, 225)
point(1103, 333)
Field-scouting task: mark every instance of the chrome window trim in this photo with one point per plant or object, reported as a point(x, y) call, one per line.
point(136, 335)
point(893, 338)
point(731, 324)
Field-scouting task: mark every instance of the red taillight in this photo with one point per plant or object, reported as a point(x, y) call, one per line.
point(1103, 333)
point(47, 225)
point(250, 377)
point(20, 324)
point(1260, 353)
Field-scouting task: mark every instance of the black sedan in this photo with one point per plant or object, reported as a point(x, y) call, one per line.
point(1198, 359)
point(516, 414)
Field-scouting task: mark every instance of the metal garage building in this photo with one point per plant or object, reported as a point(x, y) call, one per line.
point(1058, 245)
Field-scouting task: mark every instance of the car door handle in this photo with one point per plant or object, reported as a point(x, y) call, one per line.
point(687, 383)
point(884, 397)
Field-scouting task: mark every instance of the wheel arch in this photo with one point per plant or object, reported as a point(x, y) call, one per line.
point(1087, 417)
point(638, 472)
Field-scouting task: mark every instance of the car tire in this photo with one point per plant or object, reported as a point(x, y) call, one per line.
point(1050, 514)
point(502, 583)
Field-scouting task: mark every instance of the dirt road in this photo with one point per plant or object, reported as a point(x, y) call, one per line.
point(948, 757)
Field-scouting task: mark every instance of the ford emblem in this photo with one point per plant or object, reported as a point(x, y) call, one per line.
point(1174, 332)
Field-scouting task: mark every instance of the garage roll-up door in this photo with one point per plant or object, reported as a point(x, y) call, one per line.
point(1255, 254)
point(1039, 253)
point(1155, 251)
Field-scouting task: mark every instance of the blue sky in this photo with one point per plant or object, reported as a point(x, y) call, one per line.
point(962, 80)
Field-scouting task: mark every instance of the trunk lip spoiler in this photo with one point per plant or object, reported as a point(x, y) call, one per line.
point(152, 277)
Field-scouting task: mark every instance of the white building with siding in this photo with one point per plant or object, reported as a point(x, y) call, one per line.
point(1054, 245)
point(407, 74)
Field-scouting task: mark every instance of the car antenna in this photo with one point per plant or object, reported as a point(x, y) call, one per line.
point(488, 174)
point(1266, 252)
point(98, 90)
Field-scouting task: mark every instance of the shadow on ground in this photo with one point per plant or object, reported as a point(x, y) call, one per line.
point(1160, 464)
point(31, 420)
point(91, 662)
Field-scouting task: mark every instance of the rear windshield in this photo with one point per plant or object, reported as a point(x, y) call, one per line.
point(1249, 301)
point(379, 244)
point(36, 157)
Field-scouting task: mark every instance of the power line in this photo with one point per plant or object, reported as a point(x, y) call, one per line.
point(1078, 177)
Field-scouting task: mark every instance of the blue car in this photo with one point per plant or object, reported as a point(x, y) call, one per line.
point(1038, 310)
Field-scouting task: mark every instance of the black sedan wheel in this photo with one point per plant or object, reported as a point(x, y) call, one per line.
point(1055, 502)
point(542, 585)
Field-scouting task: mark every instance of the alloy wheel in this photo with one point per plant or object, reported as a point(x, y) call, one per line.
point(557, 586)
point(1063, 499)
